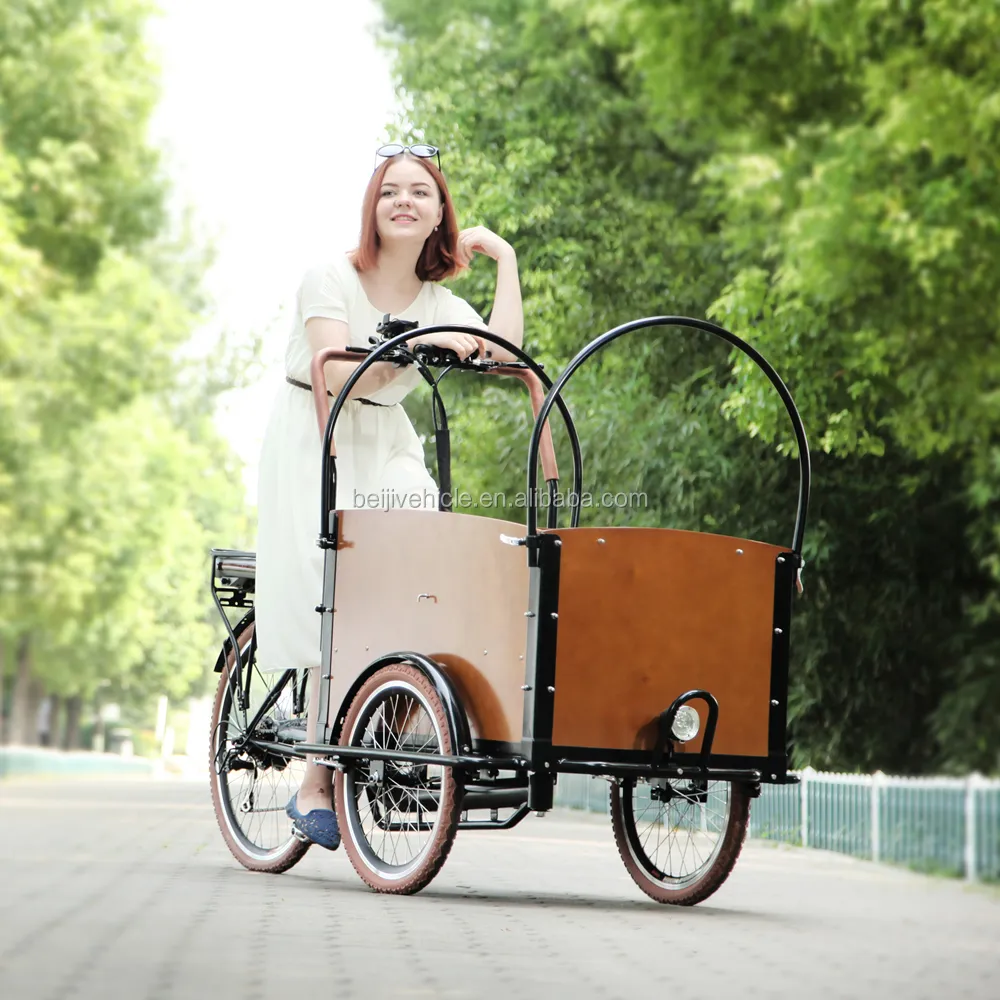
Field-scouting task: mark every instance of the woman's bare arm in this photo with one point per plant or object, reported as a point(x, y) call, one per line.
point(322, 332)
point(507, 316)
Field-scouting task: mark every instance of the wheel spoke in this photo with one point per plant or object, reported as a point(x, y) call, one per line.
point(676, 837)
point(397, 807)
point(254, 793)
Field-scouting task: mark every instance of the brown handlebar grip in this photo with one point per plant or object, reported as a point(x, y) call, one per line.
point(317, 379)
point(547, 451)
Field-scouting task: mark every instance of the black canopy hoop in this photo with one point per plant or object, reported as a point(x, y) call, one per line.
point(696, 324)
point(329, 476)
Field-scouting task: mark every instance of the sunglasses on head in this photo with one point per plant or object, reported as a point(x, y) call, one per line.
point(422, 149)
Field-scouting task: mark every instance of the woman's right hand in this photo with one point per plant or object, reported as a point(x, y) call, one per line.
point(463, 344)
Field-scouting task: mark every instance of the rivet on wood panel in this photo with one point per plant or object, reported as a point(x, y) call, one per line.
point(600, 541)
point(739, 552)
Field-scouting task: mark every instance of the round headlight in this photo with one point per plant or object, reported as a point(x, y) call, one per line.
point(686, 724)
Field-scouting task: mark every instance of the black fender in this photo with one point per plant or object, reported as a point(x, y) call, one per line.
point(246, 620)
point(458, 721)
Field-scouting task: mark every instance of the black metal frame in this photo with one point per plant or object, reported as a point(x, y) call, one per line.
point(535, 761)
point(554, 395)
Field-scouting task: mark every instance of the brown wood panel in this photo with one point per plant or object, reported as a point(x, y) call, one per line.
point(473, 621)
point(650, 613)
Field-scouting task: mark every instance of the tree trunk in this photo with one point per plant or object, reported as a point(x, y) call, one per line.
point(21, 725)
point(3, 667)
point(55, 718)
point(71, 734)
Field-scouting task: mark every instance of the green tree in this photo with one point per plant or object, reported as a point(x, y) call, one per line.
point(819, 179)
point(854, 154)
point(113, 484)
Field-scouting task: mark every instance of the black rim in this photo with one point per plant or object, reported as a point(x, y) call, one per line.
point(676, 829)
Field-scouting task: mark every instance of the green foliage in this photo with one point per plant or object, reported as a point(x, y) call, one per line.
point(822, 180)
point(113, 484)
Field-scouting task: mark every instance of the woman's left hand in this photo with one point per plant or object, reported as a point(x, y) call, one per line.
point(479, 239)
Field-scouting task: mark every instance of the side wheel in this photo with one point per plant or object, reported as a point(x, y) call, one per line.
point(679, 839)
point(398, 819)
point(250, 787)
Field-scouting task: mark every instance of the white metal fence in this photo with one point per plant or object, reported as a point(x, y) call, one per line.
point(933, 824)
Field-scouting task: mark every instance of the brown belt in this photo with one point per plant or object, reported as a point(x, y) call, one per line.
point(308, 388)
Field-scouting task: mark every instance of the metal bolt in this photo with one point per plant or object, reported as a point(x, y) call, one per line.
point(520, 656)
point(529, 614)
point(552, 690)
point(366, 649)
point(554, 614)
point(739, 552)
point(600, 541)
point(680, 771)
point(525, 687)
point(777, 631)
point(781, 559)
point(558, 543)
point(486, 652)
point(774, 701)
point(335, 649)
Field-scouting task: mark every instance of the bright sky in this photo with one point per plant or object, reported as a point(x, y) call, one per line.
point(270, 117)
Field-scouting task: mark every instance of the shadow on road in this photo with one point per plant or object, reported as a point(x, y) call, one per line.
point(468, 897)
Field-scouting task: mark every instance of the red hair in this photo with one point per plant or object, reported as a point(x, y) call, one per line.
point(438, 259)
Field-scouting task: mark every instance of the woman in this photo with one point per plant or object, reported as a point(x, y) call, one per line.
point(409, 242)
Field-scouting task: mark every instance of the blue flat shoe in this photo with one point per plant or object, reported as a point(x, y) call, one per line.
point(317, 825)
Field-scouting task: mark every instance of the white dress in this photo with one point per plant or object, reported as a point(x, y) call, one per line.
point(378, 452)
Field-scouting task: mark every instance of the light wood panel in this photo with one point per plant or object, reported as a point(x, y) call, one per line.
point(472, 621)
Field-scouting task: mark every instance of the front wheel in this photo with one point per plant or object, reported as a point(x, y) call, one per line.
point(679, 839)
point(398, 819)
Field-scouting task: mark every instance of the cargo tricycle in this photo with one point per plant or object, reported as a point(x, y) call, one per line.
point(468, 663)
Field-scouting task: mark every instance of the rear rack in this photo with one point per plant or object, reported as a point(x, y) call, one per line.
point(234, 577)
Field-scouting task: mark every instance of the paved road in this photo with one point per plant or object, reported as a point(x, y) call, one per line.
point(124, 890)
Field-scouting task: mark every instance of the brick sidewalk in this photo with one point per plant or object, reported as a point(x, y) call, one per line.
point(123, 889)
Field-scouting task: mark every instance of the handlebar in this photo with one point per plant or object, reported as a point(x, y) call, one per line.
point(394, 349)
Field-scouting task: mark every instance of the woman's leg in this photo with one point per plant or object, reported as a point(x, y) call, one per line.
point(316, 790)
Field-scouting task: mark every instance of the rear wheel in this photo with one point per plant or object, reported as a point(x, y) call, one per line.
point(679, 839)
point(250, 787)
point(398, 819)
